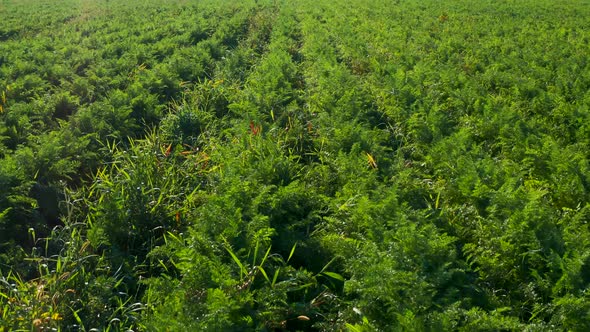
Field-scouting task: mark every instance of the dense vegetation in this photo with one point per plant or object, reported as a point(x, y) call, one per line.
point(294, 165)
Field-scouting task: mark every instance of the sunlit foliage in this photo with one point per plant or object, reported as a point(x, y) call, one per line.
point(262, 165)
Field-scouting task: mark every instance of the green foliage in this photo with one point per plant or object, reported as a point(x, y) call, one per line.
point(294, 165)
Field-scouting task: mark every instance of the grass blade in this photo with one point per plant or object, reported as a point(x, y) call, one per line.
point(237, 260)
point(263, 273)
point(274, 278)
point(292, 251)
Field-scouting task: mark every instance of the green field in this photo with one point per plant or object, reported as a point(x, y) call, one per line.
point(294, 165)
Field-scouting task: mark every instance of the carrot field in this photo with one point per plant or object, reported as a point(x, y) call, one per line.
point(294, 165)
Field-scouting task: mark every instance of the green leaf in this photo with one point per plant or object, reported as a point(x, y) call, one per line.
point(333, 275)
point(77, 317)
point(263, 273)
point(265, 257)
point(274, 278)
point(292, 251)
point(353, 328)
point(243, 270)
